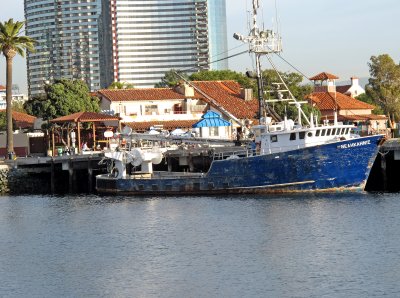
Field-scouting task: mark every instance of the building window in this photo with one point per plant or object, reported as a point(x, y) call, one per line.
point(120, 109)
point(214, 131)
point(151, 110)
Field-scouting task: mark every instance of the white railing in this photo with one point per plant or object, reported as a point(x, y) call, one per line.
point(244, 152)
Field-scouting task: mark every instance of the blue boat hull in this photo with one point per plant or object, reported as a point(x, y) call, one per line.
point(343, 165)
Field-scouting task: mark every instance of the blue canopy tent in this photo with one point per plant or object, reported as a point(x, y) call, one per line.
point(211, 119)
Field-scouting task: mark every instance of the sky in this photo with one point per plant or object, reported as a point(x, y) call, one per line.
point(337, 36)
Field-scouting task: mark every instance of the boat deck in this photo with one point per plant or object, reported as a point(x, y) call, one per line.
point(164, 175)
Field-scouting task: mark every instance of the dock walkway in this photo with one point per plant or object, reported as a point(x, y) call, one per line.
point(57, 167)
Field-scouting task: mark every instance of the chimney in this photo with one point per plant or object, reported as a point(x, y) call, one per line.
point(354, 81)
point(331, 86)
point(185, 90)
point(246, 94)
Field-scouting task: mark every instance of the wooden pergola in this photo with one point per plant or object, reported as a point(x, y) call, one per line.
point(82, 117)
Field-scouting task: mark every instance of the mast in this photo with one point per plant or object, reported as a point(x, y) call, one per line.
point(260, 87)
point(260, 43)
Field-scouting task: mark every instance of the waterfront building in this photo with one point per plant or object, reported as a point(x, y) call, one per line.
point(68, 35)
point(152, 37)
point(327, 98)
point(16, 96)
point(181, 106)
point(353, 90)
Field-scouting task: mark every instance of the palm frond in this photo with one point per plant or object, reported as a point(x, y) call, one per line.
point(9, 37)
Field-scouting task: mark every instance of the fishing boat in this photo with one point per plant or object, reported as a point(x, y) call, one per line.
point(284, 156)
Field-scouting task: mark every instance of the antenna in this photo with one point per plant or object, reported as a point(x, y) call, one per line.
point(260, 42)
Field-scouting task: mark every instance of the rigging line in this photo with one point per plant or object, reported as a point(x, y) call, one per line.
point(227, 51)
point(290, 64)
point(294, 67)
point(231, 56)
point(200, 67)
point(287, 88)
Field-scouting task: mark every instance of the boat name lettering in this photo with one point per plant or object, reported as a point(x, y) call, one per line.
point(357, 144)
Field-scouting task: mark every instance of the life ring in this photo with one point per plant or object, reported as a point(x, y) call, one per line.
point(115, 172)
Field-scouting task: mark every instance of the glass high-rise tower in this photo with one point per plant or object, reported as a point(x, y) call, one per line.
point(151, 37)
point(217, 34)
point(68, 39)
point(154, 36)
point(101, 41)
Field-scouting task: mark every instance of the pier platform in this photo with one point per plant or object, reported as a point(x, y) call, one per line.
point(64, 174)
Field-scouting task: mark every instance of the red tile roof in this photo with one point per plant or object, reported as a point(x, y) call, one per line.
point(85, 117)
point(225, 93)
point(23, 117)
point(2, 87)
point(343, 89)
point(169, 125)
point(323, 76)
point(22, 120)
point(141, 94)
point(332, 100)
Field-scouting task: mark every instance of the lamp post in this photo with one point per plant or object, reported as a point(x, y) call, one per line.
point(73, 138)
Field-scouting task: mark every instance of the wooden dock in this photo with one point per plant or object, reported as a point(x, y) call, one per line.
point(67, 173)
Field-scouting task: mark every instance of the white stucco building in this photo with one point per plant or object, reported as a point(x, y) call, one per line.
point(182, 106)
point(17, 96)
point(353, 90)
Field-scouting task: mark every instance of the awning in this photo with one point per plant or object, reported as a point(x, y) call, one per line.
point(211, 119)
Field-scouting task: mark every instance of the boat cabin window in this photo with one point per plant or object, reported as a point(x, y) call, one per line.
point(328, 132)
point(347, 130)
point(274, 138)
point(340, 131)
point(302, 134)
point(293, 136)
point(309, 134)
point(317, 132)
point(258, 132)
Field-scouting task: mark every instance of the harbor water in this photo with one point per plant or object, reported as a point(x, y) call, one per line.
point(325, 245)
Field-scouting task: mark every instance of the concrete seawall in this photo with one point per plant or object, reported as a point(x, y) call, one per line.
point(19, 181)
point(67, 174)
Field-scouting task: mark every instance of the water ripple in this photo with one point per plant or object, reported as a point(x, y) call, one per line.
point(322, 245)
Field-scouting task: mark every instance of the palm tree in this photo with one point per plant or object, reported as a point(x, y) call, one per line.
point(120, 85)
point(12, 44)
